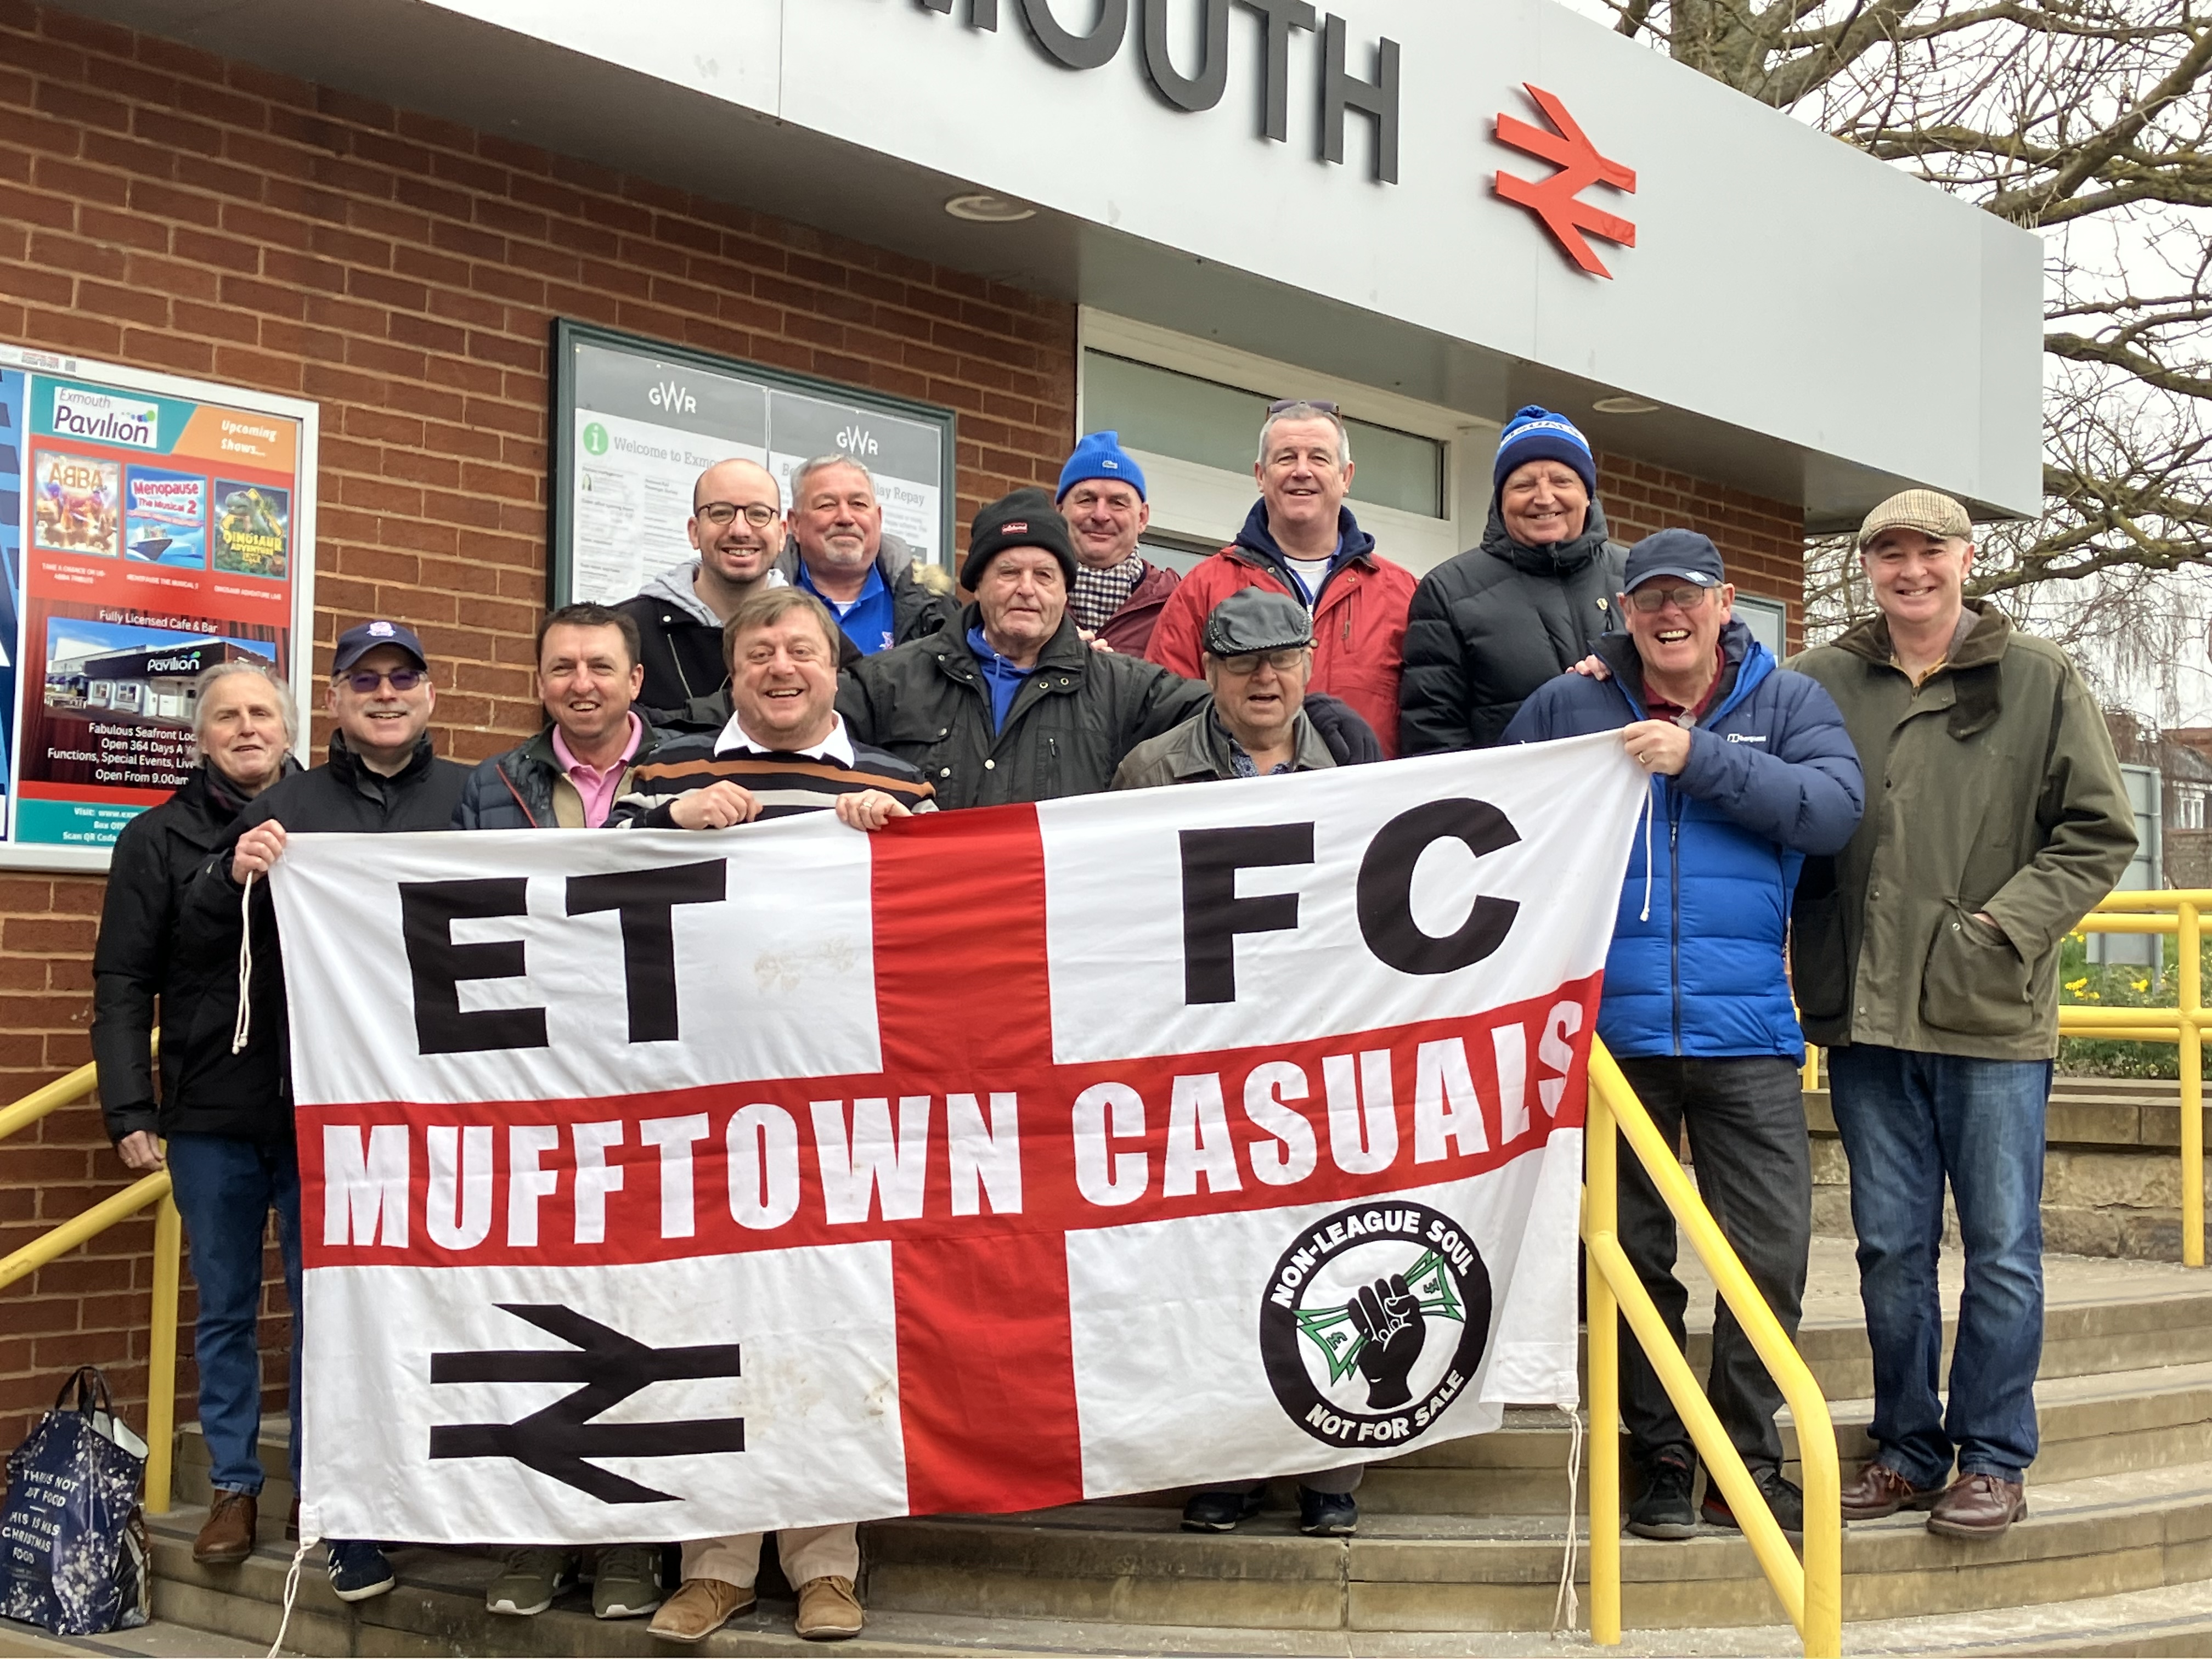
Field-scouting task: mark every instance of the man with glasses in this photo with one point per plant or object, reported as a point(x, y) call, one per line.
point(879, 592)
point(1926, 956)
point(1301, 540)
point(1751, 770)
point(1259, 656)
point(381, 775)
point(737, 525)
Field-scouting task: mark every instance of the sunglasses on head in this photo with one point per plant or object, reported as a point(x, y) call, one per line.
point(365, 681)
point(719, 514)
point(1320, 404)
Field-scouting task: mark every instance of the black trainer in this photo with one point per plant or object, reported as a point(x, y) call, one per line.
point(1784, 1499)
point(1220, 1511)
point(1327, 1514)
point(1662, 1509)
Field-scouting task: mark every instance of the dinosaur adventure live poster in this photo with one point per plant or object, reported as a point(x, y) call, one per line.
point(149, 528)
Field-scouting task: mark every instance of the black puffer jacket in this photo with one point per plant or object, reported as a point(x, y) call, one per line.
point(342, 797)
point(1067, 729)
point(142, 956)
point(1489, 626)
point(524, 788)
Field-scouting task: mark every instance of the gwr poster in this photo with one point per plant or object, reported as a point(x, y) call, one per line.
point(158, 526)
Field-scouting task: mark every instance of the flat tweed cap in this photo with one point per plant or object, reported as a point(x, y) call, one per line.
point(1928, 511)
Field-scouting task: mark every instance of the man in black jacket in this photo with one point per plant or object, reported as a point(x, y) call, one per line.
point(1010, 705)
point(1489, 626)
point(381, 776)
point(230, 1153)
point(568, 776)
point(737, 524)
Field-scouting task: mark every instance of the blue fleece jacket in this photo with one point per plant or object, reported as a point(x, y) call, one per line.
point(1771, 777)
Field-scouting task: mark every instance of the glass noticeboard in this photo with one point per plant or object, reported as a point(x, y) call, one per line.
point(635, 421)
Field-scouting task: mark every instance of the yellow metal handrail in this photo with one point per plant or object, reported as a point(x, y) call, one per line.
point(2179, 911)
point(168, 1248)
point(1811, 1592)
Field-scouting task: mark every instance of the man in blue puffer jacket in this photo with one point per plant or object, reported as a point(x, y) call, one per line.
point(1752, 771)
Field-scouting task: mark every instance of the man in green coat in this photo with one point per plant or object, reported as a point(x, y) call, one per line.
point(1011, 705)
point(1925, 956)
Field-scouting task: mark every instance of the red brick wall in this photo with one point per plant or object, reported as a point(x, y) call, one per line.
point(166, 209)
point(1762, 540)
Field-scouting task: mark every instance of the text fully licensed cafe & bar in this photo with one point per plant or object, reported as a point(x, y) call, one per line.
point(312, 310)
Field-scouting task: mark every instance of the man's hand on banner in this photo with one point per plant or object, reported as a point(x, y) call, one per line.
point(717, 807)
point(1388, 1315)
point(258, 850)
point(1659, 746)
point(871, 809)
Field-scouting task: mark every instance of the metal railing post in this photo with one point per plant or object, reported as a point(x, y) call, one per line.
point(2190, 1045)
point(161, 1356)
point(1600, 1218)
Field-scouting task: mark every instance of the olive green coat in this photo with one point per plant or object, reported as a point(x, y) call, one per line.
point(1992, 786)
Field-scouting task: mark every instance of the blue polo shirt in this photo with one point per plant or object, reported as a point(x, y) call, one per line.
point(869, 620)
point(1002, 676)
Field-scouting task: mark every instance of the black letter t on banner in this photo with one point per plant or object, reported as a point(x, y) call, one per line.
point(646, 899)
point(427, 911)
point(1212, 915)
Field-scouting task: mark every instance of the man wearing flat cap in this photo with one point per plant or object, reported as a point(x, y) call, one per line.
point(1751, 771)
point(1011, 704)
point(1925, 956)
point(1257, 657)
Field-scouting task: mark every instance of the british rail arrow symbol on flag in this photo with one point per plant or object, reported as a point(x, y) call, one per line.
point(1557, 200)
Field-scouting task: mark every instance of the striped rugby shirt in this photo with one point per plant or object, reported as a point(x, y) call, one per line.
point(784, 782)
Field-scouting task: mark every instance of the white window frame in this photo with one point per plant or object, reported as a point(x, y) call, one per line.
point(1208, 503)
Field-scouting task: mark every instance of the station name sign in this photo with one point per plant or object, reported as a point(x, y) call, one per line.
point(1340, 91)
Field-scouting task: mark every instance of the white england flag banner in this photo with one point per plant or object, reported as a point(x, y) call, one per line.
point(658, 1185)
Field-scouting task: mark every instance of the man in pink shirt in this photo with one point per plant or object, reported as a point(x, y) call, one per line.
point(567, 777)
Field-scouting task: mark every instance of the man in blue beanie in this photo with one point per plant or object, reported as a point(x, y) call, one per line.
point(1489, 626)
point(1117, 594)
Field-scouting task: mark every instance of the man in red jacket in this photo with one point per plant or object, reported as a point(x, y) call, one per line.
point(1118, 593)
point(1302, 540)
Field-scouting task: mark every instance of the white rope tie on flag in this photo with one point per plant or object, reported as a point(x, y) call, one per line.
point(1566, 1607)
point(1648, 789)
point(242, 1028)
point(291, 1592)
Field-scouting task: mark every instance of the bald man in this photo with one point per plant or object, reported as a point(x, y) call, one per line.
point(737, 525)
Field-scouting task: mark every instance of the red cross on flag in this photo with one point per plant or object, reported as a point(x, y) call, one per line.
point(660, 1185)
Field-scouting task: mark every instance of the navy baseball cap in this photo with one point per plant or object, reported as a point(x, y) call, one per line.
point(1682, 553)
point(360, 640)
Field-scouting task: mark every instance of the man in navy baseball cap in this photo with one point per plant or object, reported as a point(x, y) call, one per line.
point(362, 638)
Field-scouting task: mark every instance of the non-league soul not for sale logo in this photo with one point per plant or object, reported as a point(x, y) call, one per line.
point(1373, 1323)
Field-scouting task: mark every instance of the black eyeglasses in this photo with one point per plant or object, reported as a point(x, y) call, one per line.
point(365, 681)
point(720, 513)
point(1282, 404)
point(1650, 599)
point(1245, 663)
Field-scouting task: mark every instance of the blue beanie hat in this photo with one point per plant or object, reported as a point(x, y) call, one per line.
point(1538, 434)
point(1100, 455)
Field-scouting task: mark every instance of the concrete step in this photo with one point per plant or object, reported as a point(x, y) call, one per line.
point(1411, 1573)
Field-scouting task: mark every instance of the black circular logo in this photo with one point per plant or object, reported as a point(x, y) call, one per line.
point(1373, 1322)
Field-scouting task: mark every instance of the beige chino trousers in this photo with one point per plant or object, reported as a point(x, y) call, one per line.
point(807, 1552)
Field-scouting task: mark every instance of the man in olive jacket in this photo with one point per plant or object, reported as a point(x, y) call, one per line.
point(1010, 705)
point(1925, 956)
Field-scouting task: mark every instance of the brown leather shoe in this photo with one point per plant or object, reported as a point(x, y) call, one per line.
point(828, 1610)
point(1978, 1506)
point(1882, 1490)
point(699, 1608)
point(227, 1537)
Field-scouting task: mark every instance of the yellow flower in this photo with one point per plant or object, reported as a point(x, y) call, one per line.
point(2076, 984)
point(2142, 985)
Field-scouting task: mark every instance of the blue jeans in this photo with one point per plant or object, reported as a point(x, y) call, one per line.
point(1909, 1120)
point(225, 1189)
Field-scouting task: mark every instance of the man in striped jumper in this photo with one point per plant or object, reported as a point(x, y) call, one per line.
point(785, 748)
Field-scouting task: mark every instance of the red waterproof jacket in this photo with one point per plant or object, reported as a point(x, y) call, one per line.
point(1129, 629)
point(1360, 618)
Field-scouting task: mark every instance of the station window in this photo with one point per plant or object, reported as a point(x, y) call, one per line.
point(1167, 412)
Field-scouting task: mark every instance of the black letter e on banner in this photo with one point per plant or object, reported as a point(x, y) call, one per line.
point(427, 911)
point(646, 899)
point(1212, 915)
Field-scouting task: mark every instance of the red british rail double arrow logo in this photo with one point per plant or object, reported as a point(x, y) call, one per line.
point(1556, 200)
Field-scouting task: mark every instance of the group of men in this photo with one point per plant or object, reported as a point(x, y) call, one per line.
point(1917, 813)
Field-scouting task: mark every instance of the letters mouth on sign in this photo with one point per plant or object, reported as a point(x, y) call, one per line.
point(1373, 1322)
